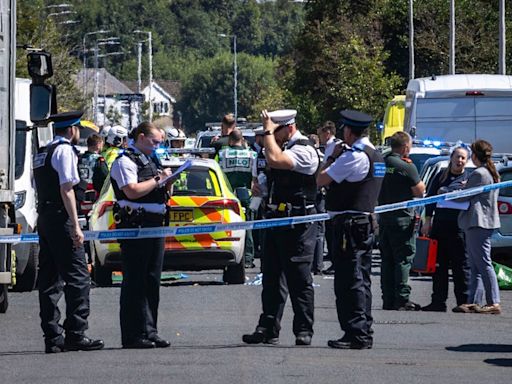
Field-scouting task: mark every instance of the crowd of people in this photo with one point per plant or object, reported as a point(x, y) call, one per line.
point(288, 174)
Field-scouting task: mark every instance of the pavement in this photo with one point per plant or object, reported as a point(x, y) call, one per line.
point(205, 319)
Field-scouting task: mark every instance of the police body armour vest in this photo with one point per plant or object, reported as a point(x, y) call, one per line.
point(360, 195)
point(147, 168)
point(47, 178)
point(293, 187)
point(86, 164)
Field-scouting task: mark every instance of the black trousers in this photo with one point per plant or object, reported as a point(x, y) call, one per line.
point(352, 247)
point(287, 269)
point(62, 270)
point(450, 254)
point(142, 261)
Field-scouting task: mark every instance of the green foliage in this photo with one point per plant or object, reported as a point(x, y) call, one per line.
point(35, 30)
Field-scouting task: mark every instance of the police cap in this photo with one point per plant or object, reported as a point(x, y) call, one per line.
point(283, 117)
point(259, 131)
point(356, 120)
point(66, 119)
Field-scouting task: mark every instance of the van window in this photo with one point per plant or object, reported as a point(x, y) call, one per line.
point(19, 153)
point(506, 176)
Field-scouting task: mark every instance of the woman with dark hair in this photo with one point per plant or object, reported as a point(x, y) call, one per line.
point(445, 229)
point(479, 222)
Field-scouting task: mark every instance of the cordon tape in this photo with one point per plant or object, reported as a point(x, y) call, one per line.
point(140, 233)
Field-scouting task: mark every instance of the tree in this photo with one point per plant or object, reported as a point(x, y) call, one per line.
point(337, 66)
point(35, 30)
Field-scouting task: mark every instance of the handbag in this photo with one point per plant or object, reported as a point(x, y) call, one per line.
point(425, 257)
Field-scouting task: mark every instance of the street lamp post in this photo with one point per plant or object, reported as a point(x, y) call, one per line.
point(235, 75)
point(150, 57)
point(99, 32)
point(109, 41)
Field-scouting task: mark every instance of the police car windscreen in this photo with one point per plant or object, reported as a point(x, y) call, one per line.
point(197, 182)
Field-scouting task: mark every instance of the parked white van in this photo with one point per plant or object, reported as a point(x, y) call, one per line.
point(461, 107)
point(27, 143)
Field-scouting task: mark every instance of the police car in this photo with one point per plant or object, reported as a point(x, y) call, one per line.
point(202, 195)
point(204, 138)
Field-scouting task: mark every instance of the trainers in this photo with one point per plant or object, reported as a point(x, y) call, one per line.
point(434, 307)
point(465, 308)
point(491, 309)
point(409, 306)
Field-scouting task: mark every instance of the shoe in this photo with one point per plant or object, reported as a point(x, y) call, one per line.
point(250, 265)
point(317, 273)
point(303, 339)
point(409, 306)
point(54, 346)
point(491, 309)
point(159, 342)
point(329, 271)
point(434, 307)
point(350, 344)
point(140, 344)
point(259, 337)
point(465, 308)
point(83, 343)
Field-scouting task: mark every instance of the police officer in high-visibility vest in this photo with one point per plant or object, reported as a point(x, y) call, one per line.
point(237, 163)
point(293, 163)
point(62, 263)
point(141, 188)
point(353, 174)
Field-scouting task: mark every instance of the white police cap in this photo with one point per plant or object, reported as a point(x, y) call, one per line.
point(283, 116)
point(258, 131)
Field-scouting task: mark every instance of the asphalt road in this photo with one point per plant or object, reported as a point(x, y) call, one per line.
point(205, 319)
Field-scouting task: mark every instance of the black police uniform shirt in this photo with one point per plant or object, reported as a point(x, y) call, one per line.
point(124, 172)
point(401, 175)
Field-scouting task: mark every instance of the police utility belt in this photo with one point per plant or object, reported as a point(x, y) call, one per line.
point(287, 210)
point(128, 216)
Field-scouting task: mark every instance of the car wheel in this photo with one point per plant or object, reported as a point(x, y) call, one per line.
point(4, 302)
point(102, 276)
point(234, 274)
point(28, 280)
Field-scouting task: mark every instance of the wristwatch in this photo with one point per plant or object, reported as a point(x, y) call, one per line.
point(157, 178)
point(268, 133)
point(332, 158)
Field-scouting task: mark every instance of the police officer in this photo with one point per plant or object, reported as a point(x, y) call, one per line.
point(141, 189)
point(353, 174)
point(62, 264)
point(396, 228)
point(237, 163)
point(289, 251)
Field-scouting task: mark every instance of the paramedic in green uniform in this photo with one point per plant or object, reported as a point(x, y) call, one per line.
point(237, 163)
point(396, 228)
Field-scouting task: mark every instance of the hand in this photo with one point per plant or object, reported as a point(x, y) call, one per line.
point(268, 124)
point(215, 138)
point(256, 189)
point(338, 150)
point(77, 236)
point(164, 174)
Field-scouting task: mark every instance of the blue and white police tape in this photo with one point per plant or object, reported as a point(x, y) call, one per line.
point(141, 233)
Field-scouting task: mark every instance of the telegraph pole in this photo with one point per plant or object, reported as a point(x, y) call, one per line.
point(502, 40)
point(451, 69)
point(411, 39)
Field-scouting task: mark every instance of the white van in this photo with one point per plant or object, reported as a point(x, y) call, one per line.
point(461, 107)
point(27, 143)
